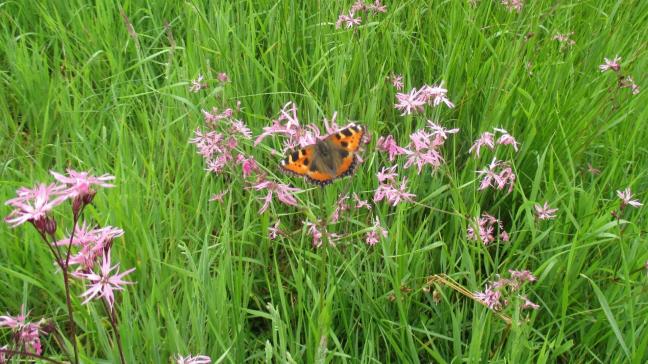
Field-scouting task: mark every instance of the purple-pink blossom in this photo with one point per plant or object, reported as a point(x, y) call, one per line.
point(34, 205)
point(197, 84)
point(612, 64)
point(26, 334)
point(409, 103)
point(388, 144)
point(348, 20)
point(627, 200)
point(376, 233)
point(506, 139)
point(498, 175)
point(79, 184)
point(283, 193)
point(485, 140)
point(513, 5)
point(527, 304)
point(544, 212)
point(104, 282)
point(390, 191)
point(397, 81)
point(490, 298)
point(486, 229)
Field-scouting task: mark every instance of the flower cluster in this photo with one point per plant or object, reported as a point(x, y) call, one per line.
point(485, 229)
point(513, 5)
point(623, 81)
point(416, 99)
point(218, 142)
point(26, 334)
point(487, 139)
point(35, 206)
point(498, 175)
point(351, 19)
point(423, 149)
point(498, 294)
point(564, 39)
point(389, 189)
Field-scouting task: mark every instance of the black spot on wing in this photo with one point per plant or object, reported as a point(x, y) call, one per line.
point(306, 161)
point(344, 144)
point(295, 156)
point(347, 132)
point(343, 153)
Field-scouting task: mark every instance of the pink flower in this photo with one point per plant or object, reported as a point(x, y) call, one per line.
point(218, 197)
point(628, 82)
point(522, 276)
point(440, 132)
point(490, 297)
point(212, 117)
point(239, 126)
point(497, 179)
point(422, 151)
point(388, 144)
point(93, 244)
point(377, 7)
point(392, 193)
point(283, 192)
point(410, 103)
point(102, 283)
point(544, 212)
point(611, 64)
point(34, 205)
point(387, 174)
point(435, 95)
point(377, 231)
point(26, 334)
point(565, 39)
point(513, 5)
point(349, 21)
point(198, 359)
point(485, 140)
point(527, 304)
point(80, 183)
point(486, 229)
point(197, 84)
point(397, 81)
point(626, 198)
point(248, 165)
point(274, 231)
point(314, 231)
point(506, 139)
point(223, 77)
point(359, 203)
point(340, 206)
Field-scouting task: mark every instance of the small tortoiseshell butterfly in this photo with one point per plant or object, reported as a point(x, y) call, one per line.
point(328, 159)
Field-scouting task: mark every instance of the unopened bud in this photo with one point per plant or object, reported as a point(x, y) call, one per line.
point(50, 225)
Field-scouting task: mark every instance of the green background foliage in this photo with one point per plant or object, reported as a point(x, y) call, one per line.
point(78, 90)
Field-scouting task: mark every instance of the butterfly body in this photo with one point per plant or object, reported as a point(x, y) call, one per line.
point(328, 159)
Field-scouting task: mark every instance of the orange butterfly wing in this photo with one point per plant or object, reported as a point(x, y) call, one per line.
point(346, 141)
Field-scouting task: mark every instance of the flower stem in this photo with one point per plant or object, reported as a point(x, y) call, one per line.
point(113, 322)
point(66, 284)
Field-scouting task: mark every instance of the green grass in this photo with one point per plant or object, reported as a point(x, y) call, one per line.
point(77, 90)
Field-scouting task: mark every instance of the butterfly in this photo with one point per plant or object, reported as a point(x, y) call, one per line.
point(328, 159)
